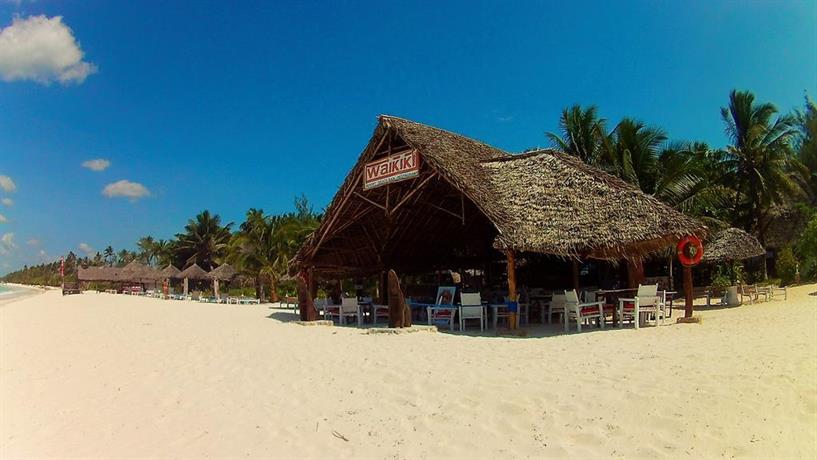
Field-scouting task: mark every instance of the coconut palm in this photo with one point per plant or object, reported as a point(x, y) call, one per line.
point(204, 240)
point(581, 133)
point(758, 162)
point(806, 146)
point(631, 153)
point(147, 249)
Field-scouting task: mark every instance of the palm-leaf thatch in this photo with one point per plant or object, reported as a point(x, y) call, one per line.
point(193, 272)
point(732, 244)
point(545, 202)
point(99, 274)
point(169, 272)
point(223, 272)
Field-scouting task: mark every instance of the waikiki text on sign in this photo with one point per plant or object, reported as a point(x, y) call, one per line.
point(391, 169)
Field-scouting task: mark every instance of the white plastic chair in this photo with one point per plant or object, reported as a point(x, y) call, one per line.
point(556, 305)
point(582, 311)
point(472, 308)
point(646, 300)
point(348, 307)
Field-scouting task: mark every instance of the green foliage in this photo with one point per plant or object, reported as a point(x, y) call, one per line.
point(786, 265)
point(721, 280)
point(807, 250)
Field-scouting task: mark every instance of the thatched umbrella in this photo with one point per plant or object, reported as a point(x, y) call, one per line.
point(730, 245)
point(169, 272)
point(193, 272)
point(223, 272)
point(135, 271)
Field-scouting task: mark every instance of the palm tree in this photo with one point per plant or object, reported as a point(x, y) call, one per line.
point(163, 251)
point(631, 153)
point(109, 256)
point(147, 249)
point(581, 133)
point(806, 146)
point(688, 178)
point(758, 161)
point(204, 241)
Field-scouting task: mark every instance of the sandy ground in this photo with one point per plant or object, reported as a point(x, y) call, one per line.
point(99, 375)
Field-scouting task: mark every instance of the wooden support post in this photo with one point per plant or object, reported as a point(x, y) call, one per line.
point(313, 283)
point(688, 292)
point(399, 312)
point(305, 305)
point(635, 272)
point(512, 285)
point(575, 275)
point(383, 287)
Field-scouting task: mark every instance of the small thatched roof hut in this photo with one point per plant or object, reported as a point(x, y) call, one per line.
point(732, 244)
point(468, 199)
point(169, 272)
point(193, 272)
point(223, 272)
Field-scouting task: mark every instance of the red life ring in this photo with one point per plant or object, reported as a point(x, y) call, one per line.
point(690, 250)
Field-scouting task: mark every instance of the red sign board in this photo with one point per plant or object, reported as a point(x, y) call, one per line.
point(393, 168)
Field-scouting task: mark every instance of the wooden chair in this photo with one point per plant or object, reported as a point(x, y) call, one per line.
point(582, 311)
point(472, 308)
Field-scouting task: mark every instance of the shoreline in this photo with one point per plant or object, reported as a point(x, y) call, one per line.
point(19, 292)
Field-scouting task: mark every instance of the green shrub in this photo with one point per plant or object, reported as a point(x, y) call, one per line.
point(786, 266)
point(807, 250)
point(721, 280)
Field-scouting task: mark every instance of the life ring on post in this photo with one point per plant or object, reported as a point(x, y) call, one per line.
point(690, 250)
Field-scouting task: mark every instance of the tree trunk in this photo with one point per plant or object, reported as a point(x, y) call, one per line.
point(399, 312)
point(306, 307)
point(273, 294)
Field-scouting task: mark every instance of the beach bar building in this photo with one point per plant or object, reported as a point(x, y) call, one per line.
point(421, 199)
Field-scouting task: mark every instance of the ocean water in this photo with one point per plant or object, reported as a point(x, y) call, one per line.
point(4, 290)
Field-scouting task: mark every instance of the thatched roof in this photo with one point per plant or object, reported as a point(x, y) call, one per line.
point(544, 201)
point(169, 272)
point(98, 274)
point(732, 244)
point(557, 204)
point(223, 272)
point(193, 272)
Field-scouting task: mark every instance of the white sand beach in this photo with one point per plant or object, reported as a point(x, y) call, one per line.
point(99, 375)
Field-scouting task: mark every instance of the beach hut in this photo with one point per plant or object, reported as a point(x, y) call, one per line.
point(420, 198)
point(223, 272)
point(732, 244)
point(194, 273)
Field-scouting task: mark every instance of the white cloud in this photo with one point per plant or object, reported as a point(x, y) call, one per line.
point(100, 164)
point(7, 243)
point(43, 50)
point(3, 219)
point(7, 201)
point(126, 188)
point(86, 249)
point(33, 242)
point(7, 184)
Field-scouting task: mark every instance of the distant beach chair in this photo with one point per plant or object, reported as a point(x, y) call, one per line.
point(775, 290)
point(582, 311)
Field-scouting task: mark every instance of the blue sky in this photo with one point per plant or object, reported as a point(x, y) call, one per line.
point(231, 105)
